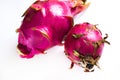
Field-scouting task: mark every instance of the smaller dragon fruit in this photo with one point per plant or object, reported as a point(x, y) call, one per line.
point(45, 24)
point(84, 45)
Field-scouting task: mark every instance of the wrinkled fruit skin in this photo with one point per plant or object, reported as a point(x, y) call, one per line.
point(84, 45)
point(45, 24)
point(37, 39)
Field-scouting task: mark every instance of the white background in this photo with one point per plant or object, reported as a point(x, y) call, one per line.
point(55, 65)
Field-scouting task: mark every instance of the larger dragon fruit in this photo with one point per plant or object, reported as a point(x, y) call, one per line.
point(84, 45)
point(45, 24)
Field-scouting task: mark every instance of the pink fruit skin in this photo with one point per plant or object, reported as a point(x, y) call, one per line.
point(82, 42)
point(45, 24)
point(37, 40)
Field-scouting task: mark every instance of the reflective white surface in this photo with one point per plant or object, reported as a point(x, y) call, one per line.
point(55, 65)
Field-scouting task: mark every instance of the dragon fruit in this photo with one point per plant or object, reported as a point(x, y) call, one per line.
point(84, 45)
point(45, 24)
